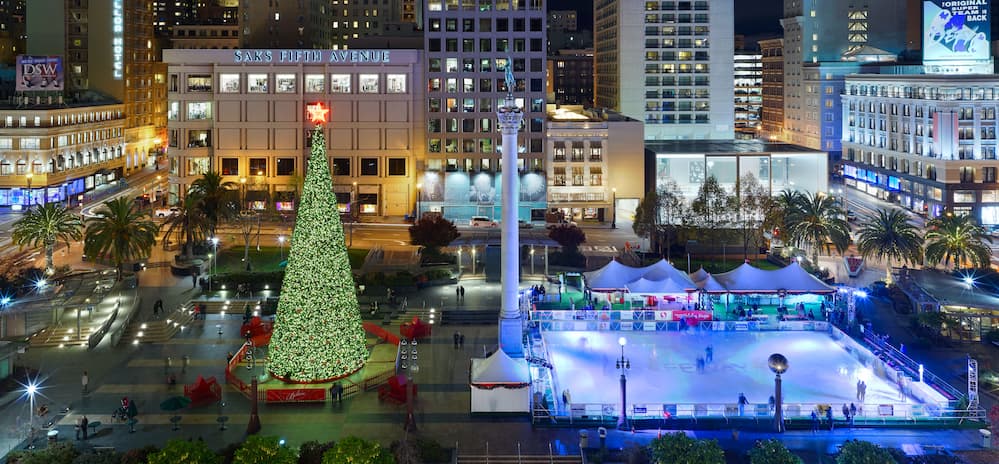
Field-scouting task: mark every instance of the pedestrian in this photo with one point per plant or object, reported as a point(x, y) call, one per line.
point(709, 353)
point(859, 382)
point(846, 412)
point(742, 403)
point(84, 379)
point(194, 279)
point(83, 426)
point(700, 364)
point(167, 362)
point(863, 391)
point(462, 288)
point(566, 398)
point(773, 404)
point(853, 413)
point(187, 362)
point(461, 340)
point(829, 417)
point(78, 420)
point(815, 422)
point(457, 293)
point(456, 339)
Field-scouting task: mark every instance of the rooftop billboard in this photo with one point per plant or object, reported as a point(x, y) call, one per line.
point(39, 73)
point(956, 30)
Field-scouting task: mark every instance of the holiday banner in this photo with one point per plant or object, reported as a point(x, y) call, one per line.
point(295, 395)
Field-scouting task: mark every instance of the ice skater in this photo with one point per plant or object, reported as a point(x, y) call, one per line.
point(456, 336)
point(829, 417)
point(742, 403)
point(461, 340)
point(700, 365)
point(566, 398)
point(773, 404)
point(863, 391)
point(815, 422)
point(709, 354)
point(853, 413)
point(846, 412)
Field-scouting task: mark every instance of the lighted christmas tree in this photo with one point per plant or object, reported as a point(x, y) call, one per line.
point(317, 330)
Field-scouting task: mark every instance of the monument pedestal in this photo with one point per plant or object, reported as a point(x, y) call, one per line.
point(511, 337)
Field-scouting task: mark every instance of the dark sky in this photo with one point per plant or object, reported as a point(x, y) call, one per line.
point(752, 17)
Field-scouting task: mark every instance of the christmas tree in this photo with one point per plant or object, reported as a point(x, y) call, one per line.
point(317, 330)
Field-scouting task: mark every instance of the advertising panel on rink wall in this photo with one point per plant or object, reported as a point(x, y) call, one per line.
point(39, 73)
point(956, 32)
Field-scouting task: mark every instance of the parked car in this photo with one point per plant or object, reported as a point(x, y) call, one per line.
point(851, 216)
point(524, 224)
point(482, 222)
point(166, 212)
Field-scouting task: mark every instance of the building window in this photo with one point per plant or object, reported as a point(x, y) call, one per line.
point(964, 196)
point(989, 175)
point(285, 83)
point(340, 83)
point(230, 166)
point(199, 83)
point(314, 83)
point(256, 83)
point(199, 138)
point(285, 166)
point(229, 83)
point(596, 176)
point(397, 166)
point(596, 152)
point(341, 167)
point(368, 83)
point(258, 166)
point(369, 166)
point(577, 176)
point(173, 111)
point(558, 176)
point(199, 110)
point(967, 174)
point(395, 83)
point(29, 143)
point(6, 143)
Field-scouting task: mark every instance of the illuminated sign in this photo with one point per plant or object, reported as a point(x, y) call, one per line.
point(39, 73)
point(311, 56)
point(956, 30)
point(117, 39)
point(318, 113)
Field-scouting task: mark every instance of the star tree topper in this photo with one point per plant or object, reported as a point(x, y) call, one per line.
point(318, 113)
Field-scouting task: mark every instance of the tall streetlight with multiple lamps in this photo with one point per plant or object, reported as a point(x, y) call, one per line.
point(623, 364)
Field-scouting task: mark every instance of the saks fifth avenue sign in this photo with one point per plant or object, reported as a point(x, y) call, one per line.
point(310, 56)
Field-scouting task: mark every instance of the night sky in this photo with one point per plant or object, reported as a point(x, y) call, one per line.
point(752, 17)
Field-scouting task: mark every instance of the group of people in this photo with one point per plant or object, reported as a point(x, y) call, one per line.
point(849, 414)
point(459, 340)
point(861, 390)
point(459, 293)
point(708, 358)
point(538, 292)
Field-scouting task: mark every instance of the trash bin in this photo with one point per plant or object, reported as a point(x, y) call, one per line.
point(584, 438)
point(986, 438)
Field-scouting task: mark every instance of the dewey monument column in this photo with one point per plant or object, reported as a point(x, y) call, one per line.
point(510, 326)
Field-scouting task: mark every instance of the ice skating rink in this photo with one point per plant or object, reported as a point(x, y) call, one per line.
point(664, 368)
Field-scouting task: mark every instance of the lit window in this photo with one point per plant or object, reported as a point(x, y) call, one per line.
point(229, 83)
point(368, 83)
point(340, 83)
point(256, 83)
point(395, 83)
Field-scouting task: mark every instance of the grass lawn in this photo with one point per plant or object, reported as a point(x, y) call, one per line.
point(269, 259)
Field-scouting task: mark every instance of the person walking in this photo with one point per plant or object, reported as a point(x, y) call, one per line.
point(85, 380)
point(461, 341)
point(829, 417)
point(566, 398)
point(167, 362)
point(773, 404)
point(863, 391)
point(78, 421)
point(742, 403)
point(846, 413)
point(709, 354)
point(187, 362)
point(456, 335)
point(462, 289)
point(859, 383)
point(83, 426)
point(815, 422)
point(457, 293)
point(853, 413)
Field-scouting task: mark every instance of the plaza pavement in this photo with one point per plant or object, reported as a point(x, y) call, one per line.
point(441, 411)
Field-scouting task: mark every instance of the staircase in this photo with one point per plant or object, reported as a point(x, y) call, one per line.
point(515, 459)
point(160, 330)
point(478, 317)
point(58, 336)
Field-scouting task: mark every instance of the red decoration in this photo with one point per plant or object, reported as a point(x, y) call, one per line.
point(318, 113)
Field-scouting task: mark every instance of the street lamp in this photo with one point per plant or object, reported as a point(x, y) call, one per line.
point(28, 176)
point(532, 259)
point(350, 211)
point(210, 264)
point(614, 208)
point(31, 389)
point(778, 364)
point(242, 191)
point(281, 244)
point(410, 424)
point(624, 364)
point(156, 189)
point(213, 264)
point(473, 260)
point(419, 188)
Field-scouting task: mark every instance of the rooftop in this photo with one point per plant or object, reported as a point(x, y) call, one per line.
point(569, 113)
point(953, 291)
point(723, 146)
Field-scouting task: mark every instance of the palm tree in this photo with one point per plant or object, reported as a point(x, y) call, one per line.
point(817, 222)
point(958, 238)
point(786, 205)
point(189, 225)
point(45, 225)
point(214, 193)
point(889, 236)
point(120, 232)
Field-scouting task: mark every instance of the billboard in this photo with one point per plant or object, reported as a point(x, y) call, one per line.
point(956, 30)
point(39, 73)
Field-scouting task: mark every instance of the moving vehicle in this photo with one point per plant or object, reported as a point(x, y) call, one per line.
point(482, 222)
point(166, 212)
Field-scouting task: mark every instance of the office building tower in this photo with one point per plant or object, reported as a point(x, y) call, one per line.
point(668, 64)
point(772, 119)
point(748, 75)
point(108, 47)
point(12, 36)
point(570, 77)
point(286, 24)
point(469, 48)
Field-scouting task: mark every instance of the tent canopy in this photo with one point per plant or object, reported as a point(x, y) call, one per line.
point(710, 284)
point(792, 279)
point(617, 276)
point(500, 368)
point(655, 287)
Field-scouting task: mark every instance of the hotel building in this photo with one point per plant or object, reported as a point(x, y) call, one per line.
point(925, 142)
point(469, 47)
point(748, 77)
point(243, 113)
point(668, 64)
point(773, 88)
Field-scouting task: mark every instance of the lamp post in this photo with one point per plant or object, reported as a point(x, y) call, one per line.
point(623, 364)
point(473, 260)
point(242, 193)
point(281, 245)
point(28, 176)
point(31, 390)
point(213, 265)
point(778, 364)
point(532, 259)
point(614, 208)
point(419, 188)
point(350, 211)
point(156, 189)
point(410, 424)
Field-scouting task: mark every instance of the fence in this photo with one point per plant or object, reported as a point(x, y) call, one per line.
point(658, 321)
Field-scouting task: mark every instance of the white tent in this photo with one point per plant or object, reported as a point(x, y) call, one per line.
point(791, 279)
point(617, 276)
point(794, 279)
point(645, 286)
point(709, 284)
point(500, 384)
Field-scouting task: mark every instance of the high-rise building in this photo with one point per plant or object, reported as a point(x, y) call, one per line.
point(287, 24)
point(354, 22)
point(772, 51)
point(820, 33)
point(668, 64)
point(469, 50)
point(12, 36)
point(570, 77)
point(108, 47)
point(748, 76)
point(562, 20)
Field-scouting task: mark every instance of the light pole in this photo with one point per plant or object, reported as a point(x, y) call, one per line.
point(156, 189)
point(31, 389)
point(410, 424)
point(532, 259)
point(419, 188)
point(213, 265)
point(281, 245)
point(473, 260)
point(242, 193)
point(614, 208)
point(28, 176)
point(624, 364)
point(210, 263)
point(350, 211)
point(778, 364)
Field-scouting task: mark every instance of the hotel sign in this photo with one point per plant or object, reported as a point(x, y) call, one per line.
point(117, 39)
point(312, 56)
